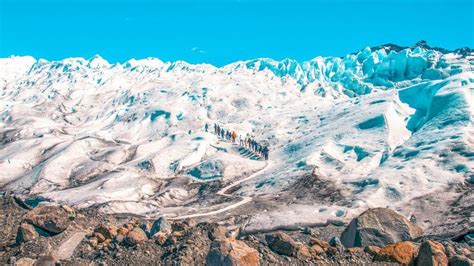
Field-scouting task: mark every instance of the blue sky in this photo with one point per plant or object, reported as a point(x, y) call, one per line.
point(220, 32)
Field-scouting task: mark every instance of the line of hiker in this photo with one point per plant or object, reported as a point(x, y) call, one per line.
point(248, 142)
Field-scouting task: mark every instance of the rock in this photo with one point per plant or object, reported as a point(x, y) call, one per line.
point(355, 251)
point(123, 231)
point(93, 242)
point(177, 226)
point(372, 250)
point(52, 219)
point(231, 252)
point(333, 251)
point(108, 231)
point(303, 252)
point(190, 222)
point(432, 254)
point(27, 232)
point(71, 212)
point(466, 252)
point(282, 244)
point(107, 242)
point(136, 236)
point(119, 238)
point(146, 227)
point(46, 260)
point(178, 234)
point(217, 232)
point(318, 250)
point(309, 231)
point(459, 260)
point(402, 252)
point(380, 227)
point(336, 242)
point(469, 238)
point(25, 262)
point(160, 238)
point(100, 238)
point(160, 225)
point(450, 251)
point(323, 244)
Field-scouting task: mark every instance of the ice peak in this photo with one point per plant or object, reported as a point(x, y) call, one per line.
point(98, 62)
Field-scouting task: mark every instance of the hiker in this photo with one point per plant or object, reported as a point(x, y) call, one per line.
point(227, 135)
point(234, 136)
point(206, 127)
point(222, 133)
point(241, 141)
point(265, 152)
point(215, 128)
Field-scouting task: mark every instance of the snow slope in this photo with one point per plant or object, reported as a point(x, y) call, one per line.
point(383, 126)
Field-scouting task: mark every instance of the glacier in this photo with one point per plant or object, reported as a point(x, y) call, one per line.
point(386, 126)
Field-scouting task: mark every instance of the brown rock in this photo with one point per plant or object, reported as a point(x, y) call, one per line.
point(123, 231)
point(27, 232)
point(52, 219)
point(379, 226)
point(450, 251)
point(177, 226)
point(190, 222)
point(323, 244)
point(303, 252)
point(282, 244)
point(333, 251)
point(100, 238)
point(372, 250)
point(25, 262)
point(178, 233)
point(160, 238)
point(318, 250)
point(46, 260)
point(108, 231)
point(71, 212)
point(402, 252)
point(355, 250)
point(432, 253)
point(136, 236)
point(93, 242)
point(217, 232)
point(231, 252)
point(459, 260)
point(466, 252)
point(107, 242)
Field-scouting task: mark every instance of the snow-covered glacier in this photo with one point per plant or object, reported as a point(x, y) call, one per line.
point(386, 126)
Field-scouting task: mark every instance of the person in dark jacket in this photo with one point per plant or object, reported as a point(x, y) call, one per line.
point(265, 152)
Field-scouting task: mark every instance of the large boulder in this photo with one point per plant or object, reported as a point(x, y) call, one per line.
point(160, 226)
point(107, 231)
point(282, 244)
point(432, 253)
point(231, 252)
point(136, 236)
point(379, 227)
point(52, 219)
point(402, 252)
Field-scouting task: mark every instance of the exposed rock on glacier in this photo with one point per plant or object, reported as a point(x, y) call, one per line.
point(379, 227)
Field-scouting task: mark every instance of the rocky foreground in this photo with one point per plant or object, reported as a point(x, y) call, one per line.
point(42, 234)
